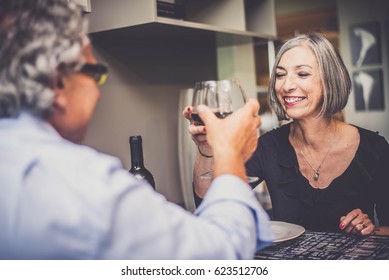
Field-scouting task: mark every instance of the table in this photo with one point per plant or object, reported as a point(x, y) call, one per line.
point(313, 245)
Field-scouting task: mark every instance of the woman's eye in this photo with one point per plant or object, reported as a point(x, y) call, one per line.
point(303, 74)
point(280, 75)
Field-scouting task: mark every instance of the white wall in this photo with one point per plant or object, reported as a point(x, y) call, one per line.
point(131, 106)
point(287, 7)
point(237, 61)
point(141, 97)
point(361, 11)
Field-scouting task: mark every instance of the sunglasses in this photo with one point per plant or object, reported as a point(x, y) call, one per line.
point(99, 72)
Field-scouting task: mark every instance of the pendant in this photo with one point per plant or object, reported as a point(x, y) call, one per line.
point(316, 175)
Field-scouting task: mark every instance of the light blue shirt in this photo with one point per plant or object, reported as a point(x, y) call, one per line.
point(60, 200)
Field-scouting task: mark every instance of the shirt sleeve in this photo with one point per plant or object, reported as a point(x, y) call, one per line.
point(229, 224)
point(235, 191)
point(94, 209)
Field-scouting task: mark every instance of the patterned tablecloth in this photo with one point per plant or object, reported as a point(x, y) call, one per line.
point(328, 246)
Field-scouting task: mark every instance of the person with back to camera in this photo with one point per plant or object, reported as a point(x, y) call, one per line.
point(322, 173)
point(62, 200)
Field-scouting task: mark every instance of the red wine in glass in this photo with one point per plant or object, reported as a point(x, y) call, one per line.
point(222, 97)
point(199, 121)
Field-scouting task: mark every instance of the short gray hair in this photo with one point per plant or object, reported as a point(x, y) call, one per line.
point(40, 40)
point(335, 78)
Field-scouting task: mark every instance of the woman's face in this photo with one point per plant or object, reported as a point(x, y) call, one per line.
point(298, 83)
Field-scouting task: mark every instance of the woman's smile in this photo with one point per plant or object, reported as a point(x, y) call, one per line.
point(298, 83)
point(293, 100)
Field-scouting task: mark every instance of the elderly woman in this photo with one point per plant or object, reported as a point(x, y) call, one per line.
point(322, 173)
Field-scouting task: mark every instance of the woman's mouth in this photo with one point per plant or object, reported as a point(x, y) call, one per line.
point(293, 100)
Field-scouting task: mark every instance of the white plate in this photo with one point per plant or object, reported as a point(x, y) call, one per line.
point(285, 231)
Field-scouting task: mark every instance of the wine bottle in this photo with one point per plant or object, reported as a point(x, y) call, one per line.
point(137, 166)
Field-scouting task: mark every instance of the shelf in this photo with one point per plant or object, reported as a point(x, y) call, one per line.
point(243, 18)
point(212, 28)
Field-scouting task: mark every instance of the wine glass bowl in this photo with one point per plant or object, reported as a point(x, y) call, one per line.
point(222, 97)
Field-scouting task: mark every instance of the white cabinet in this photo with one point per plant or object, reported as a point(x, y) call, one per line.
point(254, 18)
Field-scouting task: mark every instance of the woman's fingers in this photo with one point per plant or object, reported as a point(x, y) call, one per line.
point(197, 129)
point(356, 222)
point(187, 113)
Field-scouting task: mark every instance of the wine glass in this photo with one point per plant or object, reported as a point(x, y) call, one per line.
point(223, 98)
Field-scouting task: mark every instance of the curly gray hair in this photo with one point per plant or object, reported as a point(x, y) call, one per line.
point(40, 40)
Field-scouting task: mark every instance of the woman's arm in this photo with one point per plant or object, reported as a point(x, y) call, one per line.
point(204, 158)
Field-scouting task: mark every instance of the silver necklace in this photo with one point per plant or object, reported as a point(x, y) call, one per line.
point(316, 171)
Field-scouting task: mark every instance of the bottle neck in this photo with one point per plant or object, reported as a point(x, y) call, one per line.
point(136, 155)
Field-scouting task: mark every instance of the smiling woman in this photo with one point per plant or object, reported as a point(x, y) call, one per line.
point(310, 84)
point(321, 173)
point(313, 58)
point(291, 75)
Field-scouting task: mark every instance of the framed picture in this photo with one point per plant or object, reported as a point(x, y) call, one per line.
point(368, 90)
point(365, 43)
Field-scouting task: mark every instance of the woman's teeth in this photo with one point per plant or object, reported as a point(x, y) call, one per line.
point(293, 99)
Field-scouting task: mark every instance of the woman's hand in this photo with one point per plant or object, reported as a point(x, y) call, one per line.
point(356, 222)
point(233, 138)
point(198, 133)
point(202, 164)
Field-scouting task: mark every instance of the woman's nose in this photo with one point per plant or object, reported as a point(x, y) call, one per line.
point(289, 83)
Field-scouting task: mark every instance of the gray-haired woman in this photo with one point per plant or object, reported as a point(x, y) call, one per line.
point(322, 173)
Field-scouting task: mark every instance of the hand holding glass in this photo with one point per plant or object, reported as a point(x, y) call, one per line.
point(223, 98)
